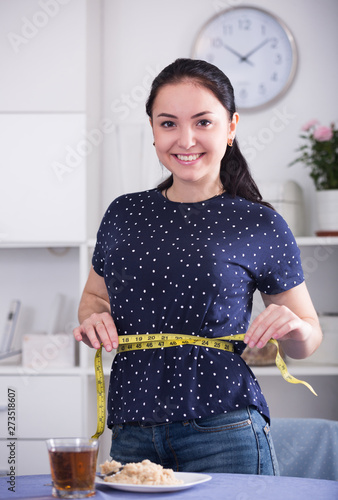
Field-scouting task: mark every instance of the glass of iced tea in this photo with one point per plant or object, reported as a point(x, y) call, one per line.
point(73, 466)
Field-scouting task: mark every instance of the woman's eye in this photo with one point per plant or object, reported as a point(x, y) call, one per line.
point(167, 124)
point(204, 123)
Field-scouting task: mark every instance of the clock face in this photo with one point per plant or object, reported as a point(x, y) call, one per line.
point(254, 49)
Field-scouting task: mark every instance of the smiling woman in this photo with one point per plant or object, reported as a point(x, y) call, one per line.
point(193, 252)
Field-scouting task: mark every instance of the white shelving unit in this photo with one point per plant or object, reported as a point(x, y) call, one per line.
point(49, 104)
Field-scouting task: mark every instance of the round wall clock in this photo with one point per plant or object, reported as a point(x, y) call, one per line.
point(255, 49)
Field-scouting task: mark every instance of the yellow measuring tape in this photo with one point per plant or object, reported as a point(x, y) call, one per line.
point(100, 394)
point(160, 340)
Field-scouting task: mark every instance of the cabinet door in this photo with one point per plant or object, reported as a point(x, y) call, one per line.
point(43, 187)
point(46, 406)
point(30, 457)
point(43, 56)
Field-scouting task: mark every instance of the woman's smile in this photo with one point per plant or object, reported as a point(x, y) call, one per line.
point(190, 159)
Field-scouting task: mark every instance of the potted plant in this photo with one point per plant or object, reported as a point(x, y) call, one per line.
point(320, 154)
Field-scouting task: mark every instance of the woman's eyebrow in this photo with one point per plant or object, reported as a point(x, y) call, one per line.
point(167, 115)
point(202, 113)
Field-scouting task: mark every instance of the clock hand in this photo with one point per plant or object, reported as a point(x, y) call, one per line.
point(245, 58)
point(237, 54)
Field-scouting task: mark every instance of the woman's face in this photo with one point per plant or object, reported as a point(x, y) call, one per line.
point(191, 129)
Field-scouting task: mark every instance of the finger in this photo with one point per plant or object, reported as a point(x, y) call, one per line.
point(81, 335)
point(268, 333)
point(102, 332)
point(263, 327)
point(276, 322)
point(91, 335)
point(97, 329)
point(256, 328)
point(77, 333)
point(110, 330)
point(286, 328)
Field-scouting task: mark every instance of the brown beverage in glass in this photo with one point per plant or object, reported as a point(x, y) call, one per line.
point(73, 468)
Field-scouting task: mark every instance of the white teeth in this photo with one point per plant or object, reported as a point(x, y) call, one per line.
point(188, 157)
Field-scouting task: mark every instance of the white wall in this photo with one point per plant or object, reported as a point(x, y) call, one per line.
point(140, 37)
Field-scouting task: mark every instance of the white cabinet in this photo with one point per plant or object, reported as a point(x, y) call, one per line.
point(43, 198)
point(42, 71)
point(49, 105)
point(32, 457)
point(45, 406)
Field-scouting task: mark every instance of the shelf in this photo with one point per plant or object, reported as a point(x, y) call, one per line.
point(41, 244)
point(297, 369)
point(316, 240)
point(24, 371)
point(301, 241)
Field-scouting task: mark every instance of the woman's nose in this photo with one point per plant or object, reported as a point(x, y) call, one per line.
point(186, 138)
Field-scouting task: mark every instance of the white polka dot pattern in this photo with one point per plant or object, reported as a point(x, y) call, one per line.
point(191, 269)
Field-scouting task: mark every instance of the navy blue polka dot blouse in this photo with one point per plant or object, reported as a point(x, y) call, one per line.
point(188, 268)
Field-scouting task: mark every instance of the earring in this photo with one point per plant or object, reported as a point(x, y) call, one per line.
point(154, 143)
point(230, 141)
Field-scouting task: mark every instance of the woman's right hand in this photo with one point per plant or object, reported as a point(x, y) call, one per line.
point(97, 329)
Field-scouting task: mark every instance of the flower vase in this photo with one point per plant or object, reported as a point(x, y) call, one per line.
point(327, 212)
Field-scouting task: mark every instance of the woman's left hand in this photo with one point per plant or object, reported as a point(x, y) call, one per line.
point(289, 317)
point(276, 322)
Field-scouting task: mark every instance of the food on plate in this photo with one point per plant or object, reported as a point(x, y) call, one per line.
point(111, 466)
point(145, 472)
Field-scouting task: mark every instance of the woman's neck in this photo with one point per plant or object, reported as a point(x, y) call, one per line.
point(184, 193)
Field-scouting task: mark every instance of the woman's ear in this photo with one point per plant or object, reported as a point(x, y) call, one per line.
point(234, 122)
point(151, 124)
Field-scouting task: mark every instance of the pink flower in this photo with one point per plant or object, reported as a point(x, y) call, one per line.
point(310, 124)
point(323, 134)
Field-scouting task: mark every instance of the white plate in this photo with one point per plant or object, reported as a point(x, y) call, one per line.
point(189, 479)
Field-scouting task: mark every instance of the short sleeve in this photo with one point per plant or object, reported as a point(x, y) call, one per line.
point(102, 242)
point(280, 266)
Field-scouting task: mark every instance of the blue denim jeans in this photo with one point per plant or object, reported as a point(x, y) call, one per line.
point(235, 442)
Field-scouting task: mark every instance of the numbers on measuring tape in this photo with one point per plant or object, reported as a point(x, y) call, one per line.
point(100, 394)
